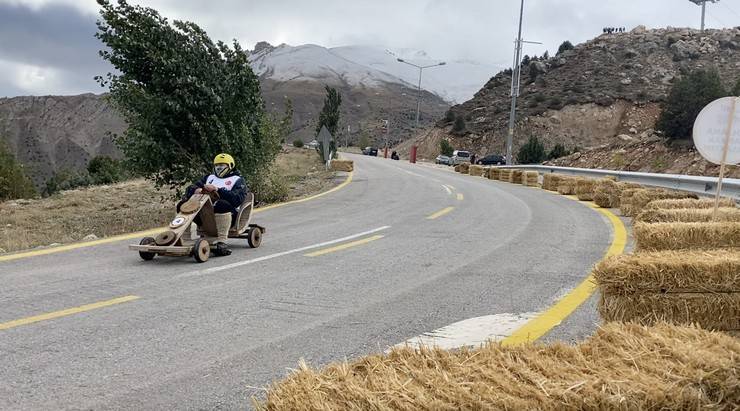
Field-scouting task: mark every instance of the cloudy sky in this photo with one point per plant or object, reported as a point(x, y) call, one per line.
point(47, 46)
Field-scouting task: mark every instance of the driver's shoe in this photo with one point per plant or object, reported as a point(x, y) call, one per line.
point(223, 224)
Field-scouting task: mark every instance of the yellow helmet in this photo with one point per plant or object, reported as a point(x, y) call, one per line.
point(220, 161)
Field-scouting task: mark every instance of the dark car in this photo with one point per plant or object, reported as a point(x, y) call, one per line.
point(491, 159)
point(370, 151)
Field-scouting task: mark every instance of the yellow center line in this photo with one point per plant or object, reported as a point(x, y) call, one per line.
point(460, 196)
point(440, 213)
point(541, 325)
point(343, 246)
point(68, 311)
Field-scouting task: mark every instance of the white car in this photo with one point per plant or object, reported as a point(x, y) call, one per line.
point(459, 157)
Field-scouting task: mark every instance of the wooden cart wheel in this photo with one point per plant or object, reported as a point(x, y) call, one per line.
point(190, 206)
point(145, 255)
point(255, 237)
point(201, 250)
point(165, 238)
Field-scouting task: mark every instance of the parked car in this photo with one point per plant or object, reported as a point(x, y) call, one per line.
point(313, 144)
point(370, 151)
point(459, 157)
point(491, 159)
point(442, 159)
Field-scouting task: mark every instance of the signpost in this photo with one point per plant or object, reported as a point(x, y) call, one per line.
point(325, 140)
point(717, 137)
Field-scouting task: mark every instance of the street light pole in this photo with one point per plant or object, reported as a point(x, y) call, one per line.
point(418, 90)
point(703, 4)
point(514, 88)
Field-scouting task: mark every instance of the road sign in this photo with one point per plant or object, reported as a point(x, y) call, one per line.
point(717, 136)
point(325, 139)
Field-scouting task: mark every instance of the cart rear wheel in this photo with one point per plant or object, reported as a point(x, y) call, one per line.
point(255, 237)
point(201, 250)
point(145, 255)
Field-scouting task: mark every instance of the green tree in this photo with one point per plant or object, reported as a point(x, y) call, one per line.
point(105, 170)
point(329, 117)
point(557, 151)
point(686, 99)
point(566, 45)
point(445, 148)
point(526, 60)
point(458, 127)
point(14, 183)
point(364, 140)
point(184, 97)
point(532, 152)
point(297, 143)
point(546, 56)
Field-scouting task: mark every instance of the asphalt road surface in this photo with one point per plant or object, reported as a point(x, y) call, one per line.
point(401, 250)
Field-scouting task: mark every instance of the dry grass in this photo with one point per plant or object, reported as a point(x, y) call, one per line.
point(475, 170)
point(689, 203)
point(678, 236)
point(530, 178)
point(104, 211)
point(342, 165)
point(621, 367)
point(669, 272)
point(713, 311)
point(585, 189)
point(688, 215)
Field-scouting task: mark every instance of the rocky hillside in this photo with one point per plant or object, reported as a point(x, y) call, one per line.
point(587, 96)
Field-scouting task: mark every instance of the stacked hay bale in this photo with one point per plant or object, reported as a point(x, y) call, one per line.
point(585, 189)
point(691, 215)
point(682, 235)
point(530, 178)
point(683, 287)
point(689, 203)
point(475, 170)
point(567, 185)
point(620, 367)
point(494, 173)
point(607, 192)
point(516, 176)
point(462, 168)
point(342, 165)
point(486, 172)
point(641, 198)
point(551, 181)
point(505, 175)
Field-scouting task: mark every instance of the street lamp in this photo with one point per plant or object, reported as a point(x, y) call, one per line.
point(418, 98)
point(703, 4)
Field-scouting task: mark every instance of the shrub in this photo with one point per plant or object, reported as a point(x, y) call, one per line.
point(555, 103)
point(66, 180)
point(532, 152)
point(526, 60)
point(445, 148)
point(297, 143)
point(459, 128)
point(14, 183)
point(364, 140)
point(269, 187)
point(685, 100)
point(449, 116)
point(105, 170)
point(557, 151)
point(566, 45)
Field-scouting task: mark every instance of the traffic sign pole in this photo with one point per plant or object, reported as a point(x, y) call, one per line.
point(725, 149)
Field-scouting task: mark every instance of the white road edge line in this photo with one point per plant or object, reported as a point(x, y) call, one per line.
point(280, 254)
point(446, 187)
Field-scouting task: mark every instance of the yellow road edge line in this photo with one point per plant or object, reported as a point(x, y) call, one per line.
point(440, 213)
point(151, 232)
point(460, 196)
point(541, 325)
point(66, 312)
point(344, 246)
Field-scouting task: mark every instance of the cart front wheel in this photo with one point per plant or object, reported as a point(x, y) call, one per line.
point(255, 237)
point(201, 250)
point(145, 255)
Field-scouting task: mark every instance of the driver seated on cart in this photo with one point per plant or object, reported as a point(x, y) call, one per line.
point(231, 189)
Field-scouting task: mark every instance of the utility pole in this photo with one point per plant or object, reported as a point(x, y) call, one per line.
point(346, 139)
point(418, 89)
point(703, 4)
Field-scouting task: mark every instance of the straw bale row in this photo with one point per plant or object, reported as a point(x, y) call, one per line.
point(632, 202)
point(567, 185)
point(516, 176)
point(622, 366)
point(585, 189)
point(678, 236)
point(550, 181)
point(716, 271)
point(494, 173)
point(462, 168)
point(687, 215)
point(505, 175)
point(475, 170)
point(530, 178)
point(689, 203)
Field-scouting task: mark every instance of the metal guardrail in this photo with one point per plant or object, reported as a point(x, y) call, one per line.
point(696, 184)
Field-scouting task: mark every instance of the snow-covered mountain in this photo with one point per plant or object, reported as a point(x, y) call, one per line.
point(369, 66)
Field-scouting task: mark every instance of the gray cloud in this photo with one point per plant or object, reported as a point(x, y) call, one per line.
point(54, 38)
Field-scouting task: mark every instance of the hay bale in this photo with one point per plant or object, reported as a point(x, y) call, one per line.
point(567, 185)
point(679, 236)
point(689, 203)
point(516, 176)
point(505, 175)
point(641, 198)
point(622, 366)
point(625, 200)
point(342, 165)
point(486, 172)
point(605, 193)
point(687, 215)
point(585, 189)
point(670, 272)
point(463, 168)
point(530, 178)
point(713, 311)
point(475, 170)
point(551, 181)
point(494, 173)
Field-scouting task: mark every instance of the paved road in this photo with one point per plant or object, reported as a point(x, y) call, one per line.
point(200, 335)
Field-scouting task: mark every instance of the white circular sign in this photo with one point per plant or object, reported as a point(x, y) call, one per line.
point(177, 222)
point(711, 127)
